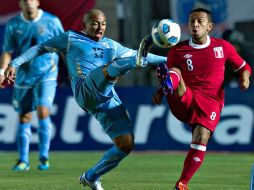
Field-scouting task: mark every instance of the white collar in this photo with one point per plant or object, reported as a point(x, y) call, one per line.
point(197, 46)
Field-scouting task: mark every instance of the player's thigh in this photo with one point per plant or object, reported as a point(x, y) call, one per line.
point(182, 107)
point(45, 93)
point(88, 94)
point(207, 111)
point(23, 99)
point(98, 82)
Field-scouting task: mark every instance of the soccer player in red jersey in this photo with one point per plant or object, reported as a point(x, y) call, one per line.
point(192, 82)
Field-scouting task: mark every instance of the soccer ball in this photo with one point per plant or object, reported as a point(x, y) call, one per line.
point(166, 33)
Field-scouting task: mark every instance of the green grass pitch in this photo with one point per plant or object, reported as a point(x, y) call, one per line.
point(139, 171)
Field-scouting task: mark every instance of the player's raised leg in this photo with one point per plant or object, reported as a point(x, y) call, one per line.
point(169, 79)
point(119, 67)
point(144, 48)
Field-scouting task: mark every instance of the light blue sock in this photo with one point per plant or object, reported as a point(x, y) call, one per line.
point(121, 66)
point(44, 132)
point(23, 139)
point(109, 161)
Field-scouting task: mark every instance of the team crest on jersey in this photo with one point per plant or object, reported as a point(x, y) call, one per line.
point(105, 44)
point(218, 52)
point(41, 29)
point(187, 56)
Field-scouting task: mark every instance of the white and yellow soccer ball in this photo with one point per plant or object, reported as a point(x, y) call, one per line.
point(166, 33)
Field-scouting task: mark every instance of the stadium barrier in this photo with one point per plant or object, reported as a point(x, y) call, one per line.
point(154, 126)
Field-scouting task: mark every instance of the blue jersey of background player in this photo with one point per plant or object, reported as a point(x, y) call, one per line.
point(35, 84)
point(94, 62)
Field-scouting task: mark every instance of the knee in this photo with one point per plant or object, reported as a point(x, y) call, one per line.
point(125, 143)
point(176, 70)
point(107, 76)
point(42, 112)
point(201, 135)
point(25, 118)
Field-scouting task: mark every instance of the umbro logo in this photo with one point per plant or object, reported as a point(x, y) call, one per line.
point(197, 159)
point(187, 56)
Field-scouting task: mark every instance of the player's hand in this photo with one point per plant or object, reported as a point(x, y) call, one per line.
point(10, 74)
point(244, 81)
point(2, 78)
point(158, 96)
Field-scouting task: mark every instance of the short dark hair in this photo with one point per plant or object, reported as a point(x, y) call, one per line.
point(209, 14)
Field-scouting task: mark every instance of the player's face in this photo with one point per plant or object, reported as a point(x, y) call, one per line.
point(199, 26)
point(29, 7)
point(95, 27)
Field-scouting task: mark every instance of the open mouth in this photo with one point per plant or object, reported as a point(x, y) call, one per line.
point(194, 31)
point(98, 34)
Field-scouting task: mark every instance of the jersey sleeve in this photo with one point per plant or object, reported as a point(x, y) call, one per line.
point(56, 44)
point(8, 40)
point(58, 27)
point(232, 57)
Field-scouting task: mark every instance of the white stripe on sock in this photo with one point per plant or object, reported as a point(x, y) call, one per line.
point(198, 147)
point(176, 75)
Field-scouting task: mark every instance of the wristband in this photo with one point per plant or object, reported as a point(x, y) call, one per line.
point(2, 71)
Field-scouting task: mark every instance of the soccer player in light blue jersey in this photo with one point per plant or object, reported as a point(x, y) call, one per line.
point(94, 62)
point(35, 84)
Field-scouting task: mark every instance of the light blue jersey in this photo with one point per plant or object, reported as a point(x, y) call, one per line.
point(21, 34)
point(85, 59)
point(35, 82)
point(84, 54)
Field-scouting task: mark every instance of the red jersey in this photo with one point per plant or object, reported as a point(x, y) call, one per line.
point(202, 68)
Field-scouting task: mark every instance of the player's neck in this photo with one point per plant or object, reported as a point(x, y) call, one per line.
point(32, 15)
point(199, 41)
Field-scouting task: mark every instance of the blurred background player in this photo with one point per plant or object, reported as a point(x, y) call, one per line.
point(237, 39)
point(35, 84)
point(94, 63)
point(193, 82)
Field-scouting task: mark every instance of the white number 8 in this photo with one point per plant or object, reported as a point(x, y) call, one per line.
point(189, 64)
point(213, 116)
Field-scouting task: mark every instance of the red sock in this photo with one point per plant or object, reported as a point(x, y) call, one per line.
point(175, 78)
point(192, 162)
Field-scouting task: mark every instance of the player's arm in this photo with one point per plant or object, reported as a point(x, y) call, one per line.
point(158, 96)
point(4, 61)
point(27, 56)
point(56, 44)
point(239, 65)
point(244, 77)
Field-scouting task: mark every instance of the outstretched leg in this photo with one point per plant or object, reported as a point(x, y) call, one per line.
point(169, 78)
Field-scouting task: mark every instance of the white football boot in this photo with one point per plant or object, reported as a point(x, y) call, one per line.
point(144, 48)
point(96, 185)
